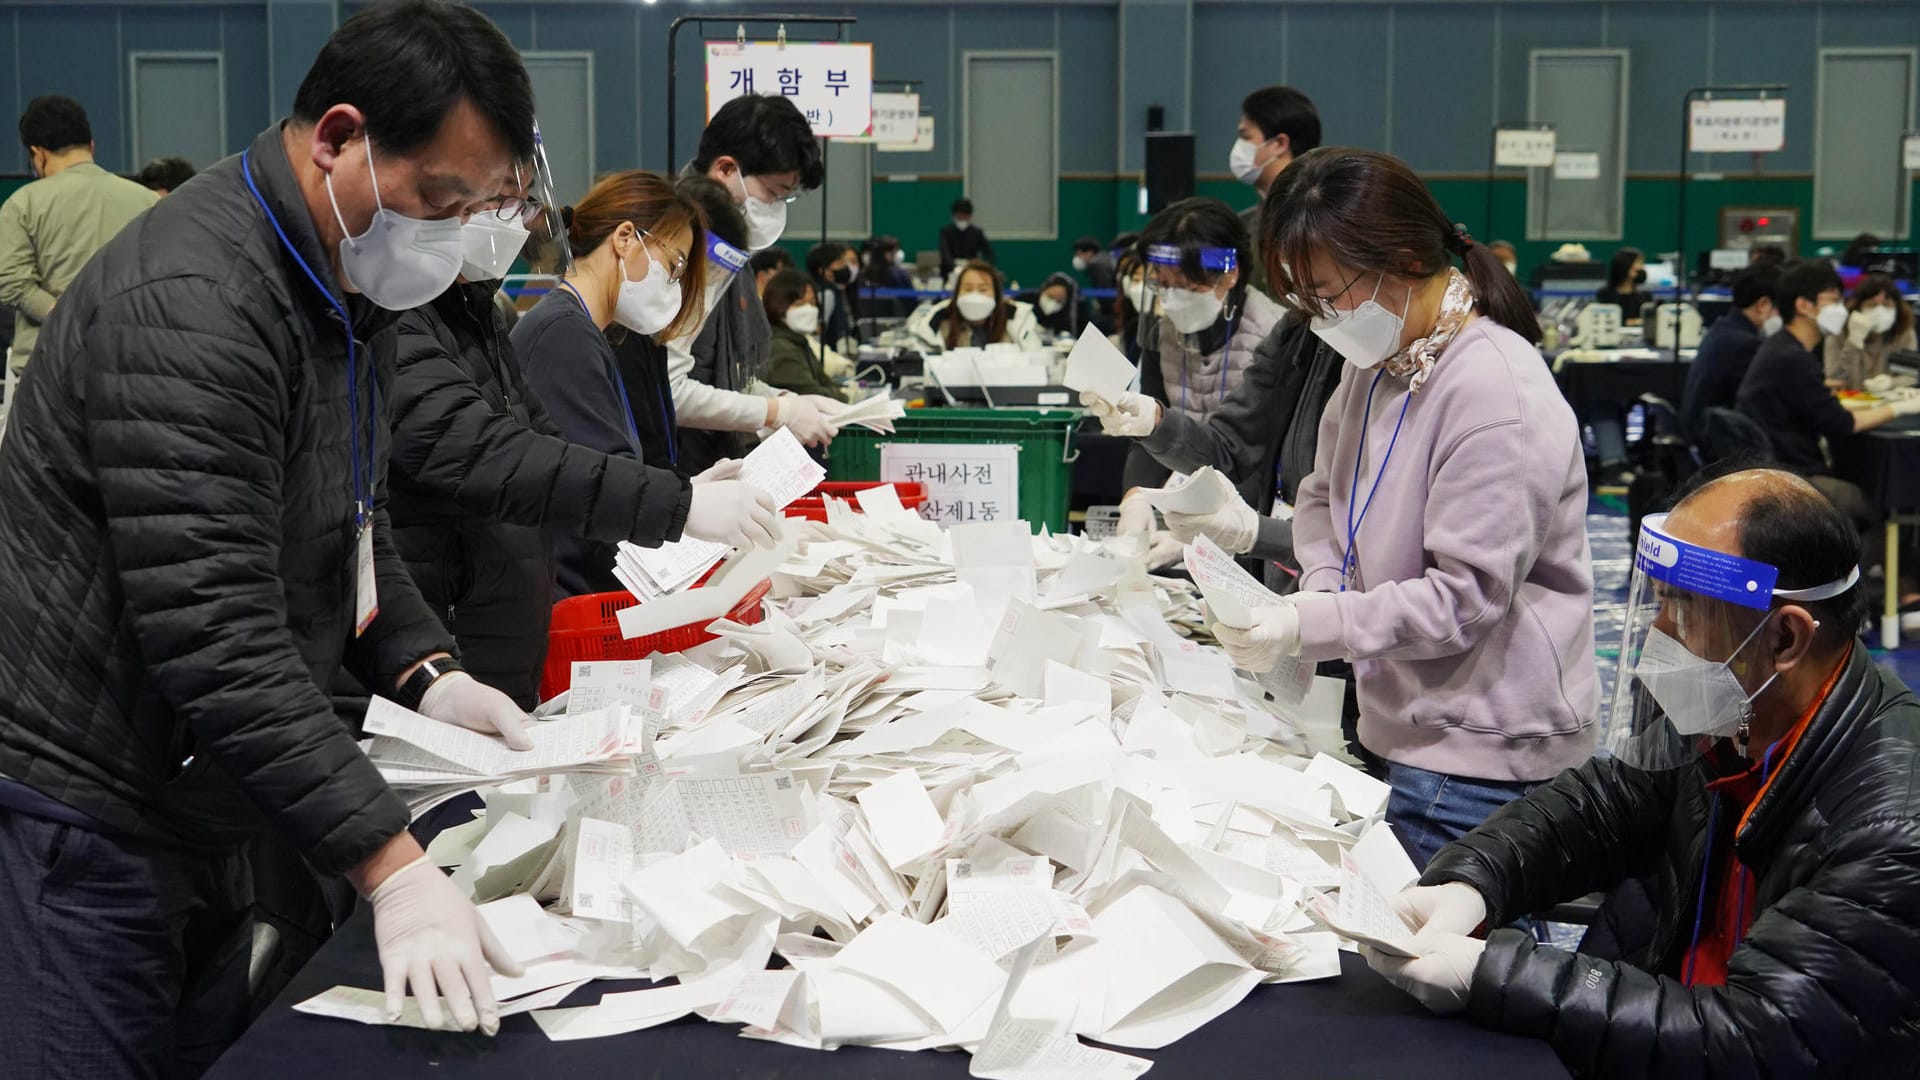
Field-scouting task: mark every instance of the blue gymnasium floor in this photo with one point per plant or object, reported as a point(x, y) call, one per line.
point(1612, 563)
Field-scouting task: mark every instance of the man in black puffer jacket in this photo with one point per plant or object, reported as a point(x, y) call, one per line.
point(195, 540)
point(480, 476)
point(1763, 900)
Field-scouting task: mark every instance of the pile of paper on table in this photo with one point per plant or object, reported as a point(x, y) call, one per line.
point(971, 788)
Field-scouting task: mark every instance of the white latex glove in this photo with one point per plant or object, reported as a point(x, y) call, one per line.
point(731, 512)
point(431, 936)
point(1136, 515)
point(799, 414)
point(1163, 550)
point(837, 366)
point(1859, 325)
point(459, 699)
point(1878, 384)
point(1453, 908)
point(1274, 637)
point(1440, 978)
point(724, 469)
point(1134, 416)
point(1906, 406)
point(1232, 526)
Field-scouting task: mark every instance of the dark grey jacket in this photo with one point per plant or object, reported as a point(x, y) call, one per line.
point(1263, 436)
point(729, 353)
point(177, 557)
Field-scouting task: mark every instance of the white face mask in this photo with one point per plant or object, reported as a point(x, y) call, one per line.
point(1051, 306)
point(1243, 161)
point(765, 220)
point(1772, 325)
point(1080, 262)
point(899, 257)
point(1883, 319)
point(1368, 334)
point(400, 262)
point(1832, 319)
point(974, 307)
point(1700, 697)
point(803, 318)
point(1513, 269)
point(488, 246)
point(963, 224)
point(1191, 312)
point(648, 305)
point(1139, 295)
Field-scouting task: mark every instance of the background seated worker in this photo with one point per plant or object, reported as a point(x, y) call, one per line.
point(1626, 272)
point(796, 363)
point(977, 314)
point(1057, 307)
point(1879, 323)
point(961, 241)
point(1756, 826)
point(1726, 352)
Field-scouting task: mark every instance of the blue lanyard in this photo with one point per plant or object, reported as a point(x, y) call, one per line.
point(619, 380)
point(362, 471)
point(1352, 558)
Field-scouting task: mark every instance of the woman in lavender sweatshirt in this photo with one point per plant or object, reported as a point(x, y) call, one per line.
point(1442, 533)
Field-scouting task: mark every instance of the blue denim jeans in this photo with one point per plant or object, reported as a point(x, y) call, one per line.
point(1429, 810)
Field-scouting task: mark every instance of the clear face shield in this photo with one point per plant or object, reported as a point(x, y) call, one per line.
point(1694, 655)
point(554, 228)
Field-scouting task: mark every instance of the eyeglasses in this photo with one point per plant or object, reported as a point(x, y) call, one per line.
point(514, 208)
point(788, 198)
point(1321, 307)
point(677, 263)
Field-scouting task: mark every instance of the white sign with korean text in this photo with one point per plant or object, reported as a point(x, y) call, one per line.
point(1523, 148)
point(1580, 165)
point(1726, 125)
point(922, 141)
point(965, 483)
point(895, 118)
point(831, 82)
point(1910, 152)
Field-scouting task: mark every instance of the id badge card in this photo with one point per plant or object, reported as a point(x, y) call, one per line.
point(366, 603)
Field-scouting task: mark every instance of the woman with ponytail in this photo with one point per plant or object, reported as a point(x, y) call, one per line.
point(1442, 532)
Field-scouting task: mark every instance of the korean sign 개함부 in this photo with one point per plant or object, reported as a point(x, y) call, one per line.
point(830, 82)
point(966, 483)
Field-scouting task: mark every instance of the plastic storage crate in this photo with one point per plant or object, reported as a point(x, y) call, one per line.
point(1044, 436)
point(588, 628)
point(813, 505)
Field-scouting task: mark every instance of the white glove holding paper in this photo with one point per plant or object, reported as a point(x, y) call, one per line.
point(1232, 525)
point(1906, 406)
point(800, 414)
point(431, 936)
point(1453, 908)
point(1440, 978)
point(1275, 636)
point(459, 699)
point(724, 469)
point(1137, 521)
point(1131, 416)
point(731, 512)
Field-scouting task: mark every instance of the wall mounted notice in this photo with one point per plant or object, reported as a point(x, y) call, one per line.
point(1527, 147)
point(1725, 125)
point(1910, 151)
point(965, 483)
point(896, 118)
point(831, 82)
point(922, 141)
point(1581, 165)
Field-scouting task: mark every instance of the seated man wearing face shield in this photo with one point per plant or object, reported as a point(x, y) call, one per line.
point(1755, 824)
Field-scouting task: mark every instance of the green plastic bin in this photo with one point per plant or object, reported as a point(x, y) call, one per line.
point(1044, 436)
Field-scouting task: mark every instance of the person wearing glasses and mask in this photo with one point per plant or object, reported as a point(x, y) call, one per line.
point(1754, 825)
point(763, 151)
point(635, 245)
point(1879, 323)
point(976, 315)
point(1442, 533)
point(202, 441)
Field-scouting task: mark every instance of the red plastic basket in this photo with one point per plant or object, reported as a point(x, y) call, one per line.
point(588, 628)
point(813, 505)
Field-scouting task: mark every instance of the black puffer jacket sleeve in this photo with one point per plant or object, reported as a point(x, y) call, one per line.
point(1821, 977)
point(186, 429)
point(448, 440)
point(1584, 830)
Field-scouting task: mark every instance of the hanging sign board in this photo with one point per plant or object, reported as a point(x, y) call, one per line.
point(1910, 151)
point(1581, 165)
point(1747, 125)
point(965, 483)
point(895, 118)
point(830, 82)
point(921, 142)
point(1523, 148)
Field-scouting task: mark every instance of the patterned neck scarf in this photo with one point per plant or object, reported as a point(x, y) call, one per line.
point(1416, 361)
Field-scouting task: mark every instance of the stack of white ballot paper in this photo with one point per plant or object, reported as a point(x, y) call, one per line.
point(876, 413)
point(971, 789)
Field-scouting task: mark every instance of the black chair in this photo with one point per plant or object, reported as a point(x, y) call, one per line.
point(1662, 459)
point(1730, 436)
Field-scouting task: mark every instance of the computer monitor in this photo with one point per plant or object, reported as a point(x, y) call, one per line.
point(926, 263)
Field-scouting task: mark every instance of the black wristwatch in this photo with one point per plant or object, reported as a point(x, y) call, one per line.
point(415, 688)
